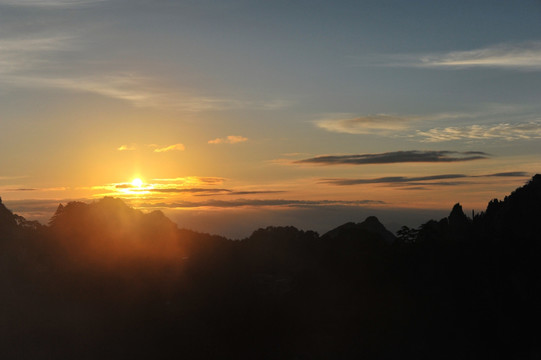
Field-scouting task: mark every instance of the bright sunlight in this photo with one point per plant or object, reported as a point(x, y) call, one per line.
point(137, 182)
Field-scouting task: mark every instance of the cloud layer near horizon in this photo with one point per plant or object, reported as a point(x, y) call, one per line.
point(262, 202)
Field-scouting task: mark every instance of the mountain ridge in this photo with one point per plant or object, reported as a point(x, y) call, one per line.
point(103, 280)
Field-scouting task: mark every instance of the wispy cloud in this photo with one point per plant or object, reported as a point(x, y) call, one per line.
point(187, 190)
point(510, 56)
point(192, 180)
point(523, 56)
point(198, 186)
point(401, 125)
point(395, 157)
point(48, 3)
point(130, 147)
point(174, 147)
point(508, 132)
point(420, 180)
point(252, 192)
point(33, 62)
point(12, 177)
point(20, 189)
point(23, 53)
point(364, 124)
point(231, 139)
point(516, 123)
point(138, 90)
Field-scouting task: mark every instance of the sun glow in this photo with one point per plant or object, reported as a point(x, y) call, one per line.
point(137, 182)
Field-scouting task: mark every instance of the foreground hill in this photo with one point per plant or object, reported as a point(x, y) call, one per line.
point(103, 280)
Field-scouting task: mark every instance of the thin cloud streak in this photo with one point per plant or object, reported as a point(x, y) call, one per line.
point(134, 89)
point(421, 180)
point(23, 59)
point(524, 56)
point(396, 157)
point(23, 53)
point(12, 177)
point(186, 190)
point(367, 124)
point(126, 148)
point(174, 147)
point(254, 192)
point(137, 90)
point(507, 132)
point(262, 203)
point(231, 139)
point(180, 188)
point(401, 125)
point(48, 3)
point(203, 180)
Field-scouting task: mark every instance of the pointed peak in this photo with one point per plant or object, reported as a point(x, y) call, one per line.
point(457, 212)
point(372, 221)
point(457, 208)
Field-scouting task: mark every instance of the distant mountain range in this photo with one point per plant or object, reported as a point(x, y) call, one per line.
point(103, 280)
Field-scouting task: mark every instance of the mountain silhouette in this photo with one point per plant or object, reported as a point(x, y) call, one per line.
point(7, 220)
point(103, 280)
point(371, 227)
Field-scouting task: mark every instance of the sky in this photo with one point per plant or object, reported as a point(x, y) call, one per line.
point(238, 114)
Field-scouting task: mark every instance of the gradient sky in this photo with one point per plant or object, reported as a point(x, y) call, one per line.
point(239, 114)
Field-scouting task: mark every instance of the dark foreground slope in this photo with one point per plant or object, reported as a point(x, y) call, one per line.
point(107, 281)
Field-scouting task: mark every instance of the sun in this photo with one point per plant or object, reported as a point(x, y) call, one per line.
point(137, 182)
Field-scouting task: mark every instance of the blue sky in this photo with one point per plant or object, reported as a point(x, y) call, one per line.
point(97, 93)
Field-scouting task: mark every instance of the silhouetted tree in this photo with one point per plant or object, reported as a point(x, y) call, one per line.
point(407, 235)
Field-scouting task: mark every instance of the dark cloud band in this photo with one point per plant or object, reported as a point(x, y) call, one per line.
point(396, 157)
point(263, 202)
point(421, 180)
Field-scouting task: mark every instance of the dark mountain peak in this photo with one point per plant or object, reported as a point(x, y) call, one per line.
point(459, 223)
point(524, 201)
point(108, 230)
point(11, 223)
point(372, 222)
point(109, 212)
point(7, 219)
point(531, 189)
point(281, 233)
point(518, 214)
point(371, 226)
point(457, 215)
point(457, 210)
point(536, 180)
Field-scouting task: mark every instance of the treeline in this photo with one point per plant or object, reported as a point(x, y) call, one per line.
point(103, 280)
